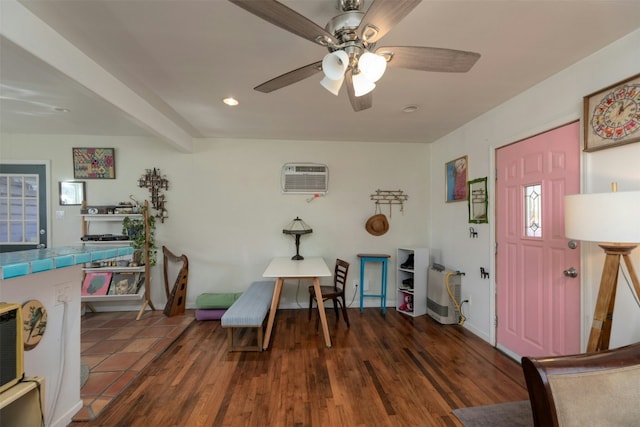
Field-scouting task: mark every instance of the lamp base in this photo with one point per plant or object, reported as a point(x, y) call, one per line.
point(297, 257)
point(603, 313)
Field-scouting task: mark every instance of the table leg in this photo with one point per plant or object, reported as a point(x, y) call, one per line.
point(362, 263)
point(384, 287)
point(323, 315)
point(275, 302)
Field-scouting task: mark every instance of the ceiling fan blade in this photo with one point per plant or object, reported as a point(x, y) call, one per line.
point(383, 15)
point(287, 19)
point(290, 78)
point(429, 58)
point(358, 103)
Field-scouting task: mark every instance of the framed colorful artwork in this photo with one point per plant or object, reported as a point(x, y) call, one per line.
point(455, 174)
point(96, 283)
point(94, 163)
point(612, 115)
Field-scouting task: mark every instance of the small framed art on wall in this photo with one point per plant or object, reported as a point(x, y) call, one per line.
point(455, 173)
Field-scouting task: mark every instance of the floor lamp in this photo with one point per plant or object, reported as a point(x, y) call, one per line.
point(612, 220)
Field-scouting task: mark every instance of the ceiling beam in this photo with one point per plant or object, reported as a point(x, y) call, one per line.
point(30, 33)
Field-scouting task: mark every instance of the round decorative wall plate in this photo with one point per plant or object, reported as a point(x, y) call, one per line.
point(34, 320)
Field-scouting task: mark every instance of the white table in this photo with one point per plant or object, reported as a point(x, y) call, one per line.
point(283, 268)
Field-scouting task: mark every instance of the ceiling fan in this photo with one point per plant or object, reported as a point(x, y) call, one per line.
point(351, 38)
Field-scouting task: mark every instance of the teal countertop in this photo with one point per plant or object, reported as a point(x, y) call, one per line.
point(23, 263)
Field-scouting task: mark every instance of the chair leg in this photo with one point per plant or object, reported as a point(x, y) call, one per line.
point(317, 318)
point(310, 304)
point(337, 302)
point(344, 312)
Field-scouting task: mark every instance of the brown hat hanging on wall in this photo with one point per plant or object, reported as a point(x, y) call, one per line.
point(377, 225)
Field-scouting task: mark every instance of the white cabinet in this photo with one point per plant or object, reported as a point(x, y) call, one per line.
point(105, 224)
point(411, 280)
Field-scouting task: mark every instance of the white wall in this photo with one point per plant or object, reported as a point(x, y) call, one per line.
point(553, 102)
point(226, 209)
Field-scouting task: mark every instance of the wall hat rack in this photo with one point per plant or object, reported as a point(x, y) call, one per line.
point(389, 197)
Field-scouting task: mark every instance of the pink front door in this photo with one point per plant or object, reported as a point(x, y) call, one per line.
point(538, 305)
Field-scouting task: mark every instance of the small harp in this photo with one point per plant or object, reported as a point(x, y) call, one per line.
point(177, 297)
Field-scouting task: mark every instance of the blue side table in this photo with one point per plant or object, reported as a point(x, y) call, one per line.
point(383, 259)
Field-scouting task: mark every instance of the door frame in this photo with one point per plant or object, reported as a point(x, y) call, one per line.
point(48, 184)
point(491, 189)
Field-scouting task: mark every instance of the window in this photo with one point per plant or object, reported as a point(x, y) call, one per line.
point(19, 207)
point(533, 210)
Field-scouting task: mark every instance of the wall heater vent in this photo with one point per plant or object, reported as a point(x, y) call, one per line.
point(305, 178)
point(439, 303)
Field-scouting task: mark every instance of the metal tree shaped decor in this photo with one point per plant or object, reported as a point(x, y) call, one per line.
point(155, 182)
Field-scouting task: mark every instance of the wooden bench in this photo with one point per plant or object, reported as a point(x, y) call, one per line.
point(249, 311)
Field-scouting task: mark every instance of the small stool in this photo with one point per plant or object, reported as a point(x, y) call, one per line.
point(383, 259)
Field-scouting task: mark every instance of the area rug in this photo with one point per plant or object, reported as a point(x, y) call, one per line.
point(510, 414)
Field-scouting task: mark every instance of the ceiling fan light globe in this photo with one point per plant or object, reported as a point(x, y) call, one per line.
point(372, 66)
point(362, 85)
point(332, 86)
point(334, 64)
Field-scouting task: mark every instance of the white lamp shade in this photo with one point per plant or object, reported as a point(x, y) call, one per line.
point(372, 66)
point(603, 217)
point(332, 86)
point(334, 64)
point(362, 85)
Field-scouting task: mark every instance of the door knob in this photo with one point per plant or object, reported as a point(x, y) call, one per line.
point(571, 272)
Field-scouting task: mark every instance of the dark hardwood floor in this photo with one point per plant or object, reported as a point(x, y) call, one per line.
point(383, 371)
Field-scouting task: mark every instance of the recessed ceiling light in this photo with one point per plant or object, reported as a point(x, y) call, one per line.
point(410, 109)
point(61, 110)
point(230, 101)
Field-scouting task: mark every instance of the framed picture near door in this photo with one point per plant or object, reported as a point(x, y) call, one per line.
point(72, 193)
point(478, 201)
point(612, 115)
point(455, 174)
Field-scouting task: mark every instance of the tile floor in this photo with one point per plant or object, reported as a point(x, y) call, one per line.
point(116, 347)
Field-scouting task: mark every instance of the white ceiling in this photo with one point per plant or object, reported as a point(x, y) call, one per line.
point(181, 57)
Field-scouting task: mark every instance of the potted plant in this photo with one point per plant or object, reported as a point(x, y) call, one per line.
point(134, 228)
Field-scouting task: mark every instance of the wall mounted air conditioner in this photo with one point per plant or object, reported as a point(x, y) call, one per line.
point(305, 178)
point(439, 303)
